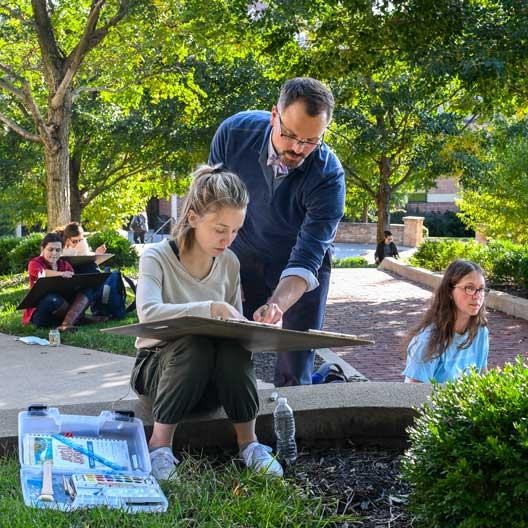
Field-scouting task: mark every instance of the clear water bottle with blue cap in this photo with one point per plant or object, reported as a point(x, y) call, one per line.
point(284, 423)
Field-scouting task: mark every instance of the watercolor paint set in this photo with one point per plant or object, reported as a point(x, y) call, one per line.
point(71, 462)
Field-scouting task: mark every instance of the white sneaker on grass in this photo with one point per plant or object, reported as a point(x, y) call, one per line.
point(258, 457)
point(163, 464)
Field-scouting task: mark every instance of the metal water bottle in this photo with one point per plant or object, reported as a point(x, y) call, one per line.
point(284, 423)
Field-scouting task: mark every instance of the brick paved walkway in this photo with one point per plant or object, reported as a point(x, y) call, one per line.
point(375, 305)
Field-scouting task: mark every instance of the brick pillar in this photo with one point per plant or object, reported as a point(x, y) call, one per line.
point(480, 238)
point(412, 230)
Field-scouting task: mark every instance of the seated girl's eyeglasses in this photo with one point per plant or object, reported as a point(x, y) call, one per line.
point(471, 290)
point(75, 241)
point(295, 139)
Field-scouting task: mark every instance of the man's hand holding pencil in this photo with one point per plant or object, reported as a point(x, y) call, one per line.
point(269, 313)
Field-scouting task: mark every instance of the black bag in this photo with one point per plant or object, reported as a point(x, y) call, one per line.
point(111, 297)
point(329, 373)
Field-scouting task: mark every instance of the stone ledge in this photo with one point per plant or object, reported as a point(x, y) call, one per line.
point(497, 300)
point(367, 414)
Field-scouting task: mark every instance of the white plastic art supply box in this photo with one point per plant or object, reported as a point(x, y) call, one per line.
point(93, 460)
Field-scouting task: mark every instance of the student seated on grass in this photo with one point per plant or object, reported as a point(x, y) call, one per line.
point(75, 244)
point(196, 274)
point(453, 334)
point(53, 309)
point(386, 248)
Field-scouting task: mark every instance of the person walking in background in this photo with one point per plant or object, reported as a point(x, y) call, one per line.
point(453, 334)
point(139, 227)
point(297, 191)
point(196, 274)
point(386, 248)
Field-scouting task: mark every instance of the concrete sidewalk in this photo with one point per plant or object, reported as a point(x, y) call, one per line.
point(58, 375)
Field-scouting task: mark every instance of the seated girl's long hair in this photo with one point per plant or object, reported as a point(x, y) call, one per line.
point(442, 313)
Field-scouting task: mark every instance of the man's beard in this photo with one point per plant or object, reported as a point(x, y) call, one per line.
point(289, 162)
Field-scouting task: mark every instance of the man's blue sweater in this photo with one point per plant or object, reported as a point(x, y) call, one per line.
point(291, 221)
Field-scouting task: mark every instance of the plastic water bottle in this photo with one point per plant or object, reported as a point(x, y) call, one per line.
point(284, 423)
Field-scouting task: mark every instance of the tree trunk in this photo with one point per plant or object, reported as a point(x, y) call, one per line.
point(57, 160)
point(364, 214)
point(75, 194)
point(383, 198)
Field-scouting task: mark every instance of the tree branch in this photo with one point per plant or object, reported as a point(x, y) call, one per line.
point(35, 112)
point(101, 188)
point(89, 40)
point(403, 179)
point(358, 180)
point(8, 87)
point(51, 56)
point(470, 121)
point(26, 98)
point(101, 33)
point(76, 56)
point(19, 130)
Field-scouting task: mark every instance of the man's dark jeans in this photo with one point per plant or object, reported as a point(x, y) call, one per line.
point(259, 278)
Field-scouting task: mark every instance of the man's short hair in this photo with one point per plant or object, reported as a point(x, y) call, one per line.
point(387, 233)
point(317, 98)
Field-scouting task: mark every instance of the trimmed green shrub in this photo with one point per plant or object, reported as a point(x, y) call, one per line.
point(124, 253)
point(350, 262)
point(507, 262)
point(468, 457)
point(7, 243)
point(24, 251)
point(502, 260)
point(436, 255)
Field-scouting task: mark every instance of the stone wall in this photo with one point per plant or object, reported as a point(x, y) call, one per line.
point(361, 233)
point(409, 234)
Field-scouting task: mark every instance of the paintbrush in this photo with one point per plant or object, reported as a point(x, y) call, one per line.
point(46, 493)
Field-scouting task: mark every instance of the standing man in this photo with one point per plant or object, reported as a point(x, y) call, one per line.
point(297, 191)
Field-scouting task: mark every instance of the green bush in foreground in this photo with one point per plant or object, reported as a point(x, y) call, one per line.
point(350, 262)
point(468, 460)
point(124, 253)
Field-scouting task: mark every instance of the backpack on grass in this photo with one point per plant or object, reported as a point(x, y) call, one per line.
point(111, 297)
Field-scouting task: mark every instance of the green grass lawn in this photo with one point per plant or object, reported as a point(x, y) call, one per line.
point(12, 290)
point(220, 496)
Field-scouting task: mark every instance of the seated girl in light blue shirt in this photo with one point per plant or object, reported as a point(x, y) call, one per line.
point(453, 335)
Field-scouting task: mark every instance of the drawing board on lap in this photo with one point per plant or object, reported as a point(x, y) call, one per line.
point(76, 260)
point(68, 288)
point(256, 337)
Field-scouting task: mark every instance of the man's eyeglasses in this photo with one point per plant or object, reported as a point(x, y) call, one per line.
point(471, 290)
point(54, 250)
point(295, 139)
